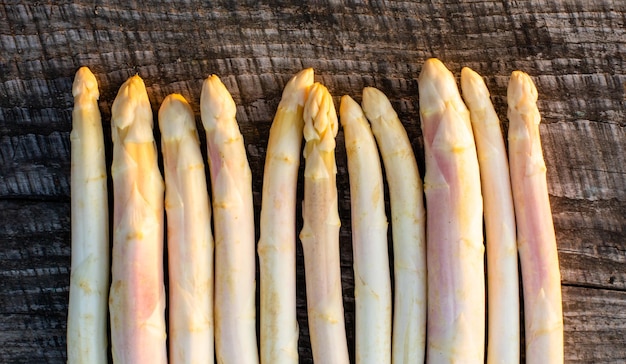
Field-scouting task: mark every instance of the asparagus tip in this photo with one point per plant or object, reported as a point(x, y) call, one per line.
point(438, 89)
point(521, 90)
point(132, 104)
point(320, 116)
point(349, 110)
point(376, 105)
point(295, 92)
point(85, 83)
point(175, 117)
point(433, 68)
point(475, 90)
point(216, 103)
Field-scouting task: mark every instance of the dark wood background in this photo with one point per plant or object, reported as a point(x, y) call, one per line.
point(574, 50)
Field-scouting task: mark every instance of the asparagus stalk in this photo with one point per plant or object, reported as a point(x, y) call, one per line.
point(408, 222)
point(137, 297)
point(372, 291)
point(89, 280)
point(277, 243)
point(456, 292)
point(235, 307)
point(503, 342)
point(543, 311)
point(320, 233)
point(190, 241)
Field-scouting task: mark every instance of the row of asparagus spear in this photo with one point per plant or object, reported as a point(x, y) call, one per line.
point(438, 313)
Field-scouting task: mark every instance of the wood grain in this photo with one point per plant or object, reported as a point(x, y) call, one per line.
point(34, 280)
point(594, 318)
point(575, 51)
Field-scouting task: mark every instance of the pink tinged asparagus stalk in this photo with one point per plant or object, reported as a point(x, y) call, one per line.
point(235, 306)
point(408, 222)
point(277, 243)
point(89, 280)
point(503, 342)
point(320, 232)
point(456, 292)
point(541, 279)
point(372, 291)
point(190, 240)
point(137, 297)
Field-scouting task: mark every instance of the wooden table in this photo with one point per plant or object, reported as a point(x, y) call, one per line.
point(575, 51)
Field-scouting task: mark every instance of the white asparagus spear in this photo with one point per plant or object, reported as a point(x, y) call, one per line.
point(408, 228)
point(503, 342)
point(231, 179)
point(456, 290)
point(372, 283)
point(277, 243)
point(137, 297)
point(320, 232)
point(89, 280)
point(541, 279)
point(189, 236)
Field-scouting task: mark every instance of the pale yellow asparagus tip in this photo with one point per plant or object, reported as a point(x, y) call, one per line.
point(320, 117)
point(85, 83)
point(377, 106)
point(131, 103)
point(296, 90)
point(480, 94)
point(350, 110)
point(436, 90)
point(522, 94)
point(175, 118)
point(216, 103)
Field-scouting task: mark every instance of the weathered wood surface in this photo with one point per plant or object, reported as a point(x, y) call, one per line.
point(575, 51)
